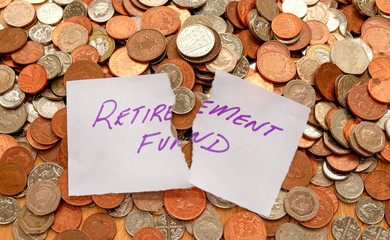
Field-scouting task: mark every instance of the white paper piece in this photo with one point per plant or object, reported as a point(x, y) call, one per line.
point(245, 138)
point(119, 137)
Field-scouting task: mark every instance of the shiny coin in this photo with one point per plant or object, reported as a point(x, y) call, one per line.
point(9, 209)
point(195, 45)
point(12, 98)
point(100, 10)
point(123, 209)
point(350, 57)
point(351, 188)
point(296, 7)
point(185, 100)
point(52, 64)
point(49, 13)
point(45, 171)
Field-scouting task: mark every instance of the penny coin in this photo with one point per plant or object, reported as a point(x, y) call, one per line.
point(20, 156)
point(121, 27)
point(99, 226)
point(276, 67)
point(325, 211)
point(243, 9)
point(122, 65)
point(66, 217)
point(326, 75)
point(304, 38)
point(59, 123)
point(13, 179)
point(193, 200)
point(162, 19)
point(346, 163)
point(29, 53)
point(363, 106)
point(232, 15)
point(6, 141)
point(197, 45)
point(108, 201)
point(83, 70)
point(36, 144)
point(379, 68)
point(256, 79)
point(370, 137)
point(33, 224)
point(32, 78)
point(301, 203)
point(250, 44)
point(146, 45)
point(376, 37)
point(273, 46)
point(251, 226)
point(85, 52)
point(208, 228)
point(12, 210)
point(289, 231)
point(150, 233)
point(43, 198)
point(138, 219)
point(149, 201)
point(378, 88)
point(319, 32)
point(344, 226)
point(332, 197)
point(42, 132)
point(272, 225)
point(268, 9)
point(286, 25)
point(184, 100)
point(301, 92)
point(387, 213)
point(72, 200)
point(299, 173)
point(72, 37)
point(377, 184)
point(72, 234)
point(370, 211)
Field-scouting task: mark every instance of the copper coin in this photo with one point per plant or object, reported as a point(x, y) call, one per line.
point(377, 184)
point(231, 14)
point(250, 44)
point(59, 123)
point(354, 19)
point(345, 163)
point(20, 156)
point(329, 115)
point(57, 30)
point(375, 21)
point(146, 45)
point(121, 64)
point(326, 75)
point(273, 46)
point(99, 226)
point(305, 143)
point(72, 200)
point(272, 225)
point(50, 155)
point(119, 7)
point(387, 213)
point(348, 126)
point(184, 121)
point(85, 52)
point(121, 27)
point(131, 9)
point(32, 78)
point(64, 146)
point(313, 161)
point(162, 19)
point(6, 141)
point(325, 212)
point(276, 67)
point(66, 217)
point(186, 70)
point(300, 171)
point(379, 89)
point(363, 106)
point(187, 150)
point(377, 38)
point(36, 144)
point(72, 234)
point(286, 25)
point(303, 40)
point(13, 179)
point(172, 50)
point(319, 32)
point(332, 196)
point(185, 204)
point(62, 160)
point(319, 148)
point(244, 7)
point(42, 132)
point(149, 233)
point(245, 225)
point(83, 70)
point(256, 79)
point(379, 68)
point(12, 39)
point(29, 53)
point(385, 153)
point(108, 201)
point(81, 20)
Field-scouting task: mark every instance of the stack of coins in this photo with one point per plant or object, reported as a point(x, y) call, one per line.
point(331, 56)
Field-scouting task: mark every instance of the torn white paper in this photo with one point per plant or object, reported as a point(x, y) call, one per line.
point(119, 137)
point(245, 138)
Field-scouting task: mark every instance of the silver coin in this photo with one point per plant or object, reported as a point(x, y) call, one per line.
point(72, 37)
point(208, 211)
point(346, 227)
point(333, 145)
point(348, 200)
point(45, 172)
point(218, 24)
point(225, 61)
point(1, 27)
point(219, 202)
point(174, 74)
point(13, 98)
point(75, 8)
point(32, 114)
point(208, 228)
point(195, 40)
point(190, 3)
point(12, 120)
point(138, 219)
point(49, 49)
point(153, 3)
point(50, 13)
point(350, 188)
point(242, 68)
point(41, 33)
point(369, 210)
point(172, 229)
point(278, 211)
point(315, 233)
point(303, 93)
point(52, 64)
point(58, 88)
point(123, 209)
point(9, 209)
point(318, 12)
point(291, 41)
point(337, 122)
point(65, 59)
point(184, 100)
point(319, 178)
point(212, 8)
point(100, 10)
point(321, 54)
point(365, 47)
point(373, 165)
point(259, 26)
point(296, 7)
point(387, 127)
point(19, 234)
point(381, 122)
point(375, 232)
point(50, 95)
point(233, 41)
point(7, 78)
point(47, 108)
point(289, 231)
point(197, 19)
point(22, 142)
point(333, 22)
point(350, 57)
point(370, 137)
point(301, 203)
point(63, 2)
point(333, 175)
point(364, 163)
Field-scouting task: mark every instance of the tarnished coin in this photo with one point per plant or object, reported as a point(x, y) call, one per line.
point(346, 227)
point(72, 37)
point(268, 9)
point(123, 209)
point(33, 224)
point(18, 36)
point(9, 209)
point(370, 137)
point(99, 226)
point(19, 233)
point(100, 10)
point(72, 234)
point(43, 198)
point(375, 232)
point(208, 228)
point(12, 120)
point(334, 146)
point(195, 45)
point(219, 202)
point(351, 188)
point(146, 45)
point(300, 171)
point(149, 233)
point(172, 229)
point(149, 201)
point(75, 8)
point(259, 26)
point(7, 78)
point(349, 57)
point(225, 61)
point(47, 108)
point(301, 203)
point(174, 74)
point(184, 100)
point(337, 122)
point(377, 184)
point(52, 64)
point(370, 211)
point(289, 231)
point(66, 217)
point(344, 83)
point(242, 68)
point(13, 98)
point(301, 92)
point(306, 68)
point(45, 171)
point(138, 219)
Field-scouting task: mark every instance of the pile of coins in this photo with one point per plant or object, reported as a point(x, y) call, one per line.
point(332, 56)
